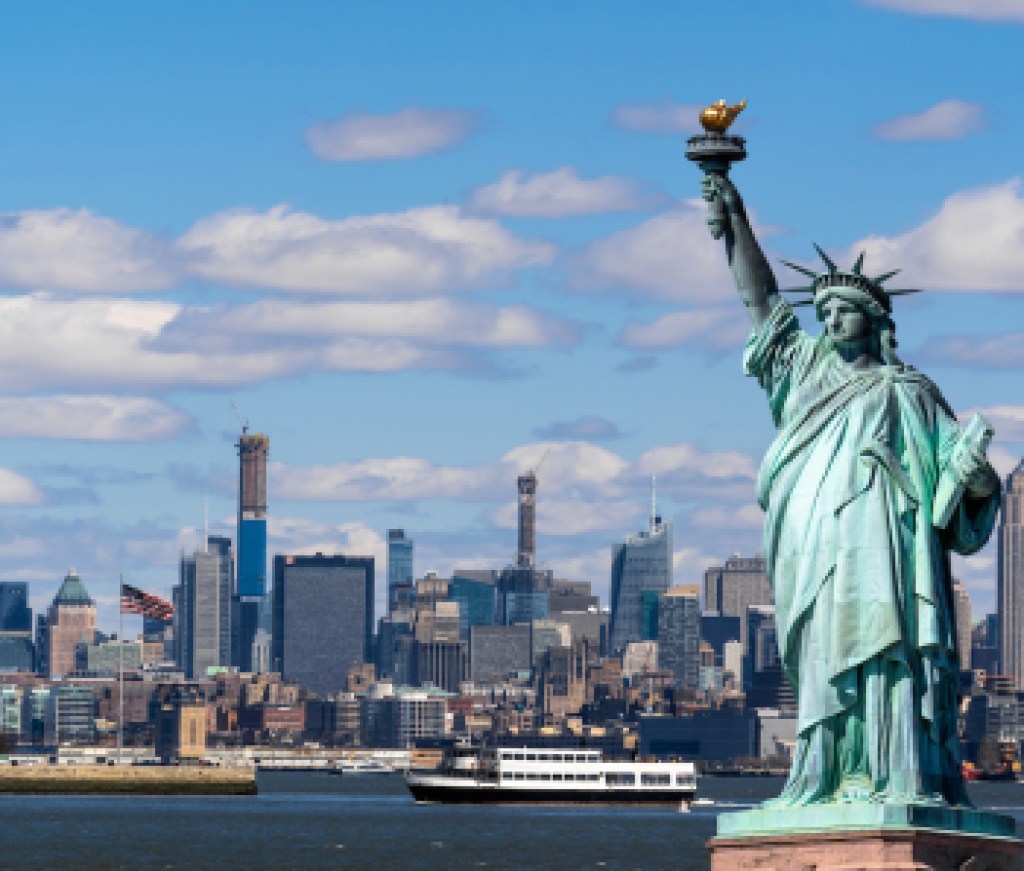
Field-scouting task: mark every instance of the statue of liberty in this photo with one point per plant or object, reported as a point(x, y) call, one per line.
point(867, 488)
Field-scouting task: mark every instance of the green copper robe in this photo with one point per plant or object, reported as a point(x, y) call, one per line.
point(861, 578)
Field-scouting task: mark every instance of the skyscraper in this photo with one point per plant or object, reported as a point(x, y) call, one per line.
point(1011, 578)
point(643, 562)
point(400, 570)
point(15, 614)
point(251, 589)
point(527, 553)
point(679, 634)
point(322, 619)
point(962, 609)
point(70, 619)
point(731, 589)
point(203, 608)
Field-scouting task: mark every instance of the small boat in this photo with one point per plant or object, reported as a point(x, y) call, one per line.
point(507, 775)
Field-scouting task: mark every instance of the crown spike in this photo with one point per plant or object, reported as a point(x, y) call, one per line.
point(905, 290)
point(885, 277)
point(810, 273)
point(832, 268)
point(859, 264)
point(806, 289)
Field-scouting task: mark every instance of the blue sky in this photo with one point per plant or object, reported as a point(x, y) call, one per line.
point(418, 245)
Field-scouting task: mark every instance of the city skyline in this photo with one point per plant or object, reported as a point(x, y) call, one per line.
point(427, 250)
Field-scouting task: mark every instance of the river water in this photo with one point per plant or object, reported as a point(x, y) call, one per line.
point(314, 820)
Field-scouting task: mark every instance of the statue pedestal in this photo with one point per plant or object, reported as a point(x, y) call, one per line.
point(865, 836)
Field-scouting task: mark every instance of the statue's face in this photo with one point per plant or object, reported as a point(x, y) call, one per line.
point(845, 322)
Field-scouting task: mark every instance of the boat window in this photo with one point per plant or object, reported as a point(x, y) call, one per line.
point(531, 757)
point(556, 776)
point(652, 779)
point(683, 780)
point(546, 775)
point(520, 775)
point(532, 775)
point(620, 778)
point(518, 757)
point(594, 776)
point(544, 757)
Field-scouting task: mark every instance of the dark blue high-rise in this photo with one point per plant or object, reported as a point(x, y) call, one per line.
point(251, 587)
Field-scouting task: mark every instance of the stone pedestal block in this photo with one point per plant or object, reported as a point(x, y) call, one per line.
point(865, 850)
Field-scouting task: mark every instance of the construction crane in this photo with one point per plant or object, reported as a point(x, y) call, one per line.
point(243, 421)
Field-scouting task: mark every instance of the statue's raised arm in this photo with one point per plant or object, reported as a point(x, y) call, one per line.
point(727, 219)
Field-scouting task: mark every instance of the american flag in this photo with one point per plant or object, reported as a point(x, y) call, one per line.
point(135, 601)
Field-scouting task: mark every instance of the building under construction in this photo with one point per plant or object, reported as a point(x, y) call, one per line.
point(251, 588)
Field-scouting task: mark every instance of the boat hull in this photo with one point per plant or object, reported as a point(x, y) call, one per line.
point(452, 794)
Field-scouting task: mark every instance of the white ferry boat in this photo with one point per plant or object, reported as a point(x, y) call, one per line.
point(561, 776)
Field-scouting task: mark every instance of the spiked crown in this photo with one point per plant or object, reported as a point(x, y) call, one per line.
point(855, 279)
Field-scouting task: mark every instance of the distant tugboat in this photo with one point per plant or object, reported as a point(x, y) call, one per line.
point(507, 775)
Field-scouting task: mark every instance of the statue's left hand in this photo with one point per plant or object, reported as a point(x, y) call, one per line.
point(979, 478)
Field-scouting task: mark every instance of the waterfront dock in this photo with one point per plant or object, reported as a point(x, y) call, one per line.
point(127, 779)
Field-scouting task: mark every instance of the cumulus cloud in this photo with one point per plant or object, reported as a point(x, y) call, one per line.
point(1001, 351)
point(668, 257)
point(16, 489)
point(90, 418)
point(589, 428)
point(666, 118)
point(435, 321)
point(974, 242)
point(421, 251)
point(559, 194)
point(949, 119)
point(980, 10)
point(573, 516)
point(69, 249)
point(712, 328)
point(564, 470)
point(715, 517)
point(689, 565)
point(401, 135)
point(49, 343)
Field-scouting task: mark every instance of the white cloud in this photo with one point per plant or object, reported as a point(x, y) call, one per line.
point(420, 251)
point(685, 458)
point(949, 119)
point(68, 249)
point(1003, 351)
point(667, 118)
point(748, 516)
point(430, 321)
point(385, 479)
point(689, 565)
point(559, 194)
point(713, 328)
point(980, 10)
point(573, 516)
point(974, 242)
point(564, 470)
point(669, 257)
point(16, 489)
point(408, 133)
point(92, 344)
point(90, 418)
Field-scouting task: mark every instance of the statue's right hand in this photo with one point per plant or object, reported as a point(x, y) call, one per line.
point(723, 202)
point(714, 186)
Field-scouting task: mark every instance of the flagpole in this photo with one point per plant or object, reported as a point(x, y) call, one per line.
point(120, 669)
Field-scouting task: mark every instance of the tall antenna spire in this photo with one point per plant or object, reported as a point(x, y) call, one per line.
point(206, 524)
point(654, 508)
